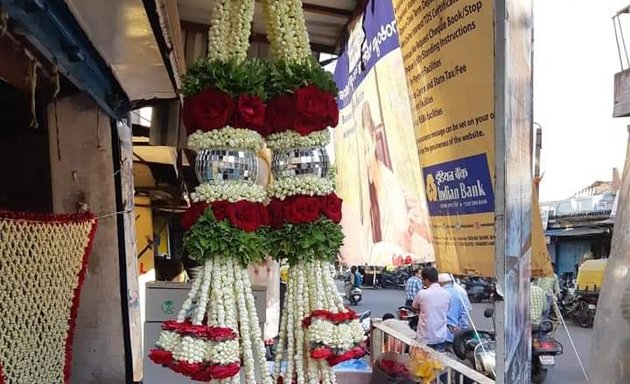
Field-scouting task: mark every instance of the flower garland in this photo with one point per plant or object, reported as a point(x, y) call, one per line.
point(291, 139)
point(231, 191)
point(309, 185)
point(227, 137)
point(57, 248)
point(216, 335)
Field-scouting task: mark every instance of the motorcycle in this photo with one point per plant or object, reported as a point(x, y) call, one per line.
point(395, 279)
point(479, 348)
point(544, 350)
point(355, 295)
point(406, 313)
point(580, 308)
point(366, 324)
point(478, 289)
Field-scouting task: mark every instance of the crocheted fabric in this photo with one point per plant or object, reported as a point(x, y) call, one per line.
point(43, 261)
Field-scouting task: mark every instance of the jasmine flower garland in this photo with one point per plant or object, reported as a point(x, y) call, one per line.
point(309, 185)
point(228, 137)
point(291, 139)
point(231, 191)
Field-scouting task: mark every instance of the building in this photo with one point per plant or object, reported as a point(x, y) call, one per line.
point(582, 225)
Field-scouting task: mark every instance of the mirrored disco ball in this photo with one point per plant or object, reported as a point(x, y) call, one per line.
point(300, 161)
point(226, 164)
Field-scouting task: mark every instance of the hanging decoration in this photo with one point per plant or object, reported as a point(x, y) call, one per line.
point(216, 335)
point(232, 107)
point(43, 263)
point(317, 331)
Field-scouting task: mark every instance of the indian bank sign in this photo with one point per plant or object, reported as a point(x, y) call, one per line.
point(459, 187)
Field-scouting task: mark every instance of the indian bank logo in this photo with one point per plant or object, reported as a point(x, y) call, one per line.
point(432, 189)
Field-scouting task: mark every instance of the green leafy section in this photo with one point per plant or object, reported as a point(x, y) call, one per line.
point(232, 77)
point(255, 77)
point(287, 77)
point(319, 240)
point(209, 239)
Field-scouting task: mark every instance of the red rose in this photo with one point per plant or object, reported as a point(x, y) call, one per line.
point(250, 112)
point(160, 356)
point(193, 214)
point(188, 115)
point(321, 353)
point(185, 368)
point(339, 318)
point(280, 114)
point(332, 111)
point(307, 125)
point(224, 371)
point(301, 209)
point(275, 213)
point(211, 109)
point(331, 207)
point(221, 334)
point(244, 215)
point(311, 102)
point(219, 209)
point(204, 375)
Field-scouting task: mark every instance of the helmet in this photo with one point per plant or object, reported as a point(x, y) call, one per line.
point(284, 273)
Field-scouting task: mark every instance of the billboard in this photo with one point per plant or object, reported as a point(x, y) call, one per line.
point(385, 214)
point(448, 53)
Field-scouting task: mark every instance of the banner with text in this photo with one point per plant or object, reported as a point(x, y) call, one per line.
point(448, 54)
point(385, 217)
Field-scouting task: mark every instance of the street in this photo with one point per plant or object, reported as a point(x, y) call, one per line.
point(567, 369)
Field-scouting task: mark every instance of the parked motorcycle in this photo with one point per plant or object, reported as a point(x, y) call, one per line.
point(479, 348)
point(394, 279)
point(579, 307)
point(479, 289)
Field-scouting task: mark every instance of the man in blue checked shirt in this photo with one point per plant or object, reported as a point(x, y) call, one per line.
point(457, 316)
point(414, 285)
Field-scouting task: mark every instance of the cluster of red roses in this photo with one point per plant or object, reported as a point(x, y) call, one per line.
point(202, 331)
point(335, 318)
point(195, 371)
point(250, 216)
point(307, 110)
point(325, 353)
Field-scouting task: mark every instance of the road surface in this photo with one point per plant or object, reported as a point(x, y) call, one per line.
point(567, 369)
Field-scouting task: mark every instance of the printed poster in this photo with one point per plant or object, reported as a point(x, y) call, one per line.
point(385, 213)
point(448, 54)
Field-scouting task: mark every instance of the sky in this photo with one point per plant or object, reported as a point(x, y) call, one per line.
point(575, 59)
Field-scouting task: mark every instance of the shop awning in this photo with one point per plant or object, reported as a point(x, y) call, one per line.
point(579, 231)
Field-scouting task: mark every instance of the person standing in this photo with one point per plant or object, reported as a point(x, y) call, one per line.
point(414, 285)
point(457, 316)
point(432, 304)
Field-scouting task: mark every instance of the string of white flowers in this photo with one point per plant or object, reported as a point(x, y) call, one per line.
point(292, 139)
point(193, 296)
point(280, 30)
point(230, 303)
point(282, 340)
point(303, 49)
point(228, 137)
point(291, 324)
point(219, 26)
point(231, 191)
point(246, 339)
point(202, 304)
point(257, 337)
point(216, 296)
point(309, 185)
point(303, 297)
point(327, 372)
point(241, 15)
point(317, 276)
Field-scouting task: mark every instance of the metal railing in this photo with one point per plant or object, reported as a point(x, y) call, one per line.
point(454, 372)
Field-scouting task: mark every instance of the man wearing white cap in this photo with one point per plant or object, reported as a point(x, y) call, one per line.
point(457, 316)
